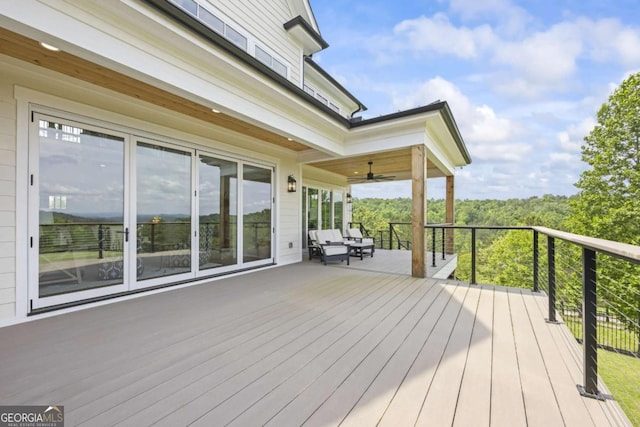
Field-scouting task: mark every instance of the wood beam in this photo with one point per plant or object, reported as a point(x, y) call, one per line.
point(418, 208)
point(450, 214)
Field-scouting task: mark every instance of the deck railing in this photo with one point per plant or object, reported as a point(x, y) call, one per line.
point(593, 285)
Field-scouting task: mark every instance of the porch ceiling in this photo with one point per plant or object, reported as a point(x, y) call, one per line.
point(397, 162)
point(29, 50)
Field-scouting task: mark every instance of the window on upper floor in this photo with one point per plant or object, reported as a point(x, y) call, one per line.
point(271, 62)
point(322, 99)
point(311, 91)
point(213, 22)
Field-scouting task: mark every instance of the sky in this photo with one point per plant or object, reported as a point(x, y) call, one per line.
point(524, 79)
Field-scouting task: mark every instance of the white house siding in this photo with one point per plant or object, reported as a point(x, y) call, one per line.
point(264, 20)
point(7, 200)
point(40, 86)
point(318, 83)
point(289, 213)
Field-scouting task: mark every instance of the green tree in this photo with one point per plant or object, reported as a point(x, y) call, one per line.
point(608, 203)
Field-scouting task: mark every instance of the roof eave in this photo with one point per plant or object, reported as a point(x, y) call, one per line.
point(440, 106)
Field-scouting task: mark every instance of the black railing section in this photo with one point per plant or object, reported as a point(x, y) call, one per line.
point(103, 237)
point(593, 285)
point(365, 232)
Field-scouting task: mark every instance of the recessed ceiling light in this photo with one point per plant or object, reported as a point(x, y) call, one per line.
point(289, 139)
point(356, 173)
point(49, 47)
point(215, 111)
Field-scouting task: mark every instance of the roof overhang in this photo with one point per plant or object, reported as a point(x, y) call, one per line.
point(259, 105)
point(387, 142)
point(304, 34)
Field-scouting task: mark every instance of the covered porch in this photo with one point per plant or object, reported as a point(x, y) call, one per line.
point(306, 344)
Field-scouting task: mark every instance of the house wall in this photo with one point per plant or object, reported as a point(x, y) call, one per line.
point(7, 199)
point(265, 20)
point(22, 83)
point(319, 83)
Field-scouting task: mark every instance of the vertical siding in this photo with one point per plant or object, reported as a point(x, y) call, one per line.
point(7, 200)
point(264, 20)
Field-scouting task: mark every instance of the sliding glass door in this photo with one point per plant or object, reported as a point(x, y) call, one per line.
point(163, 211)
point(218, 213)
point(78, 214)
point(257, 202)
point(111, 212)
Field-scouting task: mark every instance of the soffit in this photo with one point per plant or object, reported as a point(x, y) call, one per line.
point(397, 162)
point(29, 50)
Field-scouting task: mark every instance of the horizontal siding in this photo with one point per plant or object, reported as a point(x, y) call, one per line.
point(289, 215)
point(8, 295)
point(7, 311)
point(7, 280)
point(265, 20)
point(7, 201)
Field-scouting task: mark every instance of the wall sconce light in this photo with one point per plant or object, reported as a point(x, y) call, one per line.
point(291, 184)
point(349, 199)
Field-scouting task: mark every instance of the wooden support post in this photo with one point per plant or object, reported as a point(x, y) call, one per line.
point(418, 208)
point(450, 214)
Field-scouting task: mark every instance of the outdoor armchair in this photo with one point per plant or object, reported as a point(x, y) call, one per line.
point(333, 246)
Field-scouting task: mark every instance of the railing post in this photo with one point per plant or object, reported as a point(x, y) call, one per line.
point(473, 256)
point(551, 261)
point(433, 247)
point(390, 236)
point(589, 331)
point(536, 287)
point(443, 251)
point(153, 237)
point(100, 242)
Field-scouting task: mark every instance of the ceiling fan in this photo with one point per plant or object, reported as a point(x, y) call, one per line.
point(371, 177)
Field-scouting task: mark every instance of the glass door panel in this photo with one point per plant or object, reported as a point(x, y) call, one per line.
point(81, 209)
point(337, 210)
point(163, 211)
point(326, 210)
point(305, 216)
point(218, 212)
point(256, 213)
point(313, 208)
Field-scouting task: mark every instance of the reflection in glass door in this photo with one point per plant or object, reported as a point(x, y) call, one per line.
point(218, 217)
point(81, 231)
point(313, 208)
point(163, 211)
point(326, 209)
point(256, 213)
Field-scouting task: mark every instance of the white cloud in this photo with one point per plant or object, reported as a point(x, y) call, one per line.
point(478, 123)
point(544, 57)
point(512, 152)
point(439, 35)
point(563, 158)
point(527, 64)
point(571, 139)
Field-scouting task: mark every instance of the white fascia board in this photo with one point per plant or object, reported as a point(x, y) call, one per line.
point(206, 75)
point(441, 141)
point(387, 135)
point(403, 133)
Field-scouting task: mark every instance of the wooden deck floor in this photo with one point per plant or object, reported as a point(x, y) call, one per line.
point(306, 345)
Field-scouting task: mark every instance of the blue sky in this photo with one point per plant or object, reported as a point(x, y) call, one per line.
point(524, 79)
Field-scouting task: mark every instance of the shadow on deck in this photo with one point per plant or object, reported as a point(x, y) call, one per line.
point(306, 344)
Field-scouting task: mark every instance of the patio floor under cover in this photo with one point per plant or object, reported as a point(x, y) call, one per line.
point(306, 344)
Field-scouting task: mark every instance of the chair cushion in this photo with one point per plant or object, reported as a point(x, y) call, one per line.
point(337, 235)
point(354, 233)
point(330, 250)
